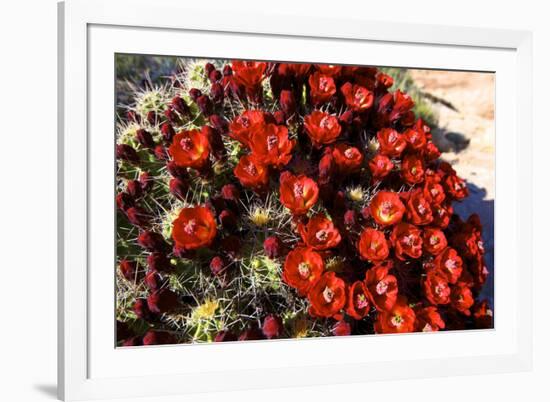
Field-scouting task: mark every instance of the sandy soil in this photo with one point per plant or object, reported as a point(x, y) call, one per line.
point(465, 104)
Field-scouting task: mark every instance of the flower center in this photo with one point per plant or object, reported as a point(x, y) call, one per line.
point(303, 270)
point(361, 301)
point(186, 144)
point(408, 240)
point(190, 227)
point(421, 209)
point(396, 320)
point(348, 153)
point(328, 294)
point(381, 287)
point(298, 190)
point(251, 169)
point(450, 264)
point(427, 328)
point(321, 235)
point(386, 208)
point(325, 122)
point(245, 121)
point(323, 84)
point(434, 240)
point(359, 96)
point(272, 141)
point(434, 191)
point(392, 137)
point(439, 289)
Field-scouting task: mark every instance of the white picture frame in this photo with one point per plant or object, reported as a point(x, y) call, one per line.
point(92, 31)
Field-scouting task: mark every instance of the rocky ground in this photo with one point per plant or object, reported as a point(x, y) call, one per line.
point(465, 104)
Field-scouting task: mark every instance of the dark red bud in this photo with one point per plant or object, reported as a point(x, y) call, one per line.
point(167, 131)
point(175, 170)
point(153, 280)
point(228, 220)
point(280, 117)
point(145, 138)
point(146, 181)
point(272, 327)
point(124, 201)
point(178, 188)
point(180, 106)
point(273, 247)
point(133, 341)
point(162, 301)
point(365, 212)
point(217, 93)
point(158, 338)
point(142, 309)
point(287, 102)
point(341, 328)
point(158, 261)
point(214, 76)
point(217, 266)
point(230, 192)
point(218, 122)
point(251, 334)
point(129, 270)
point(152, 241)
point(194, 93)
point(225, 336)
point(346, 117)
point(227, 70)
point(137, 216)
point(205, 105)
point(134, 188)
point(127, 153)
point(160, 153)
point(152, 117)
point(350, 218)
point(171, 116)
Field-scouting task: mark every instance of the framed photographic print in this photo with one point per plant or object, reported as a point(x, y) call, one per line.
point(307, 203)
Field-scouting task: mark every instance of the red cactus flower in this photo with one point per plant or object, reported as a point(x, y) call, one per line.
point(249, 74)
point(412, 169)
point(270, 145)
point(327, 296)
point(190, 149)
point(298, 193)
point(419, 211)
point(322, 128)
point(195, 227)
point(251, 173)
point(382, 286)
point(401, 318)
point(357, 98)
point(455, 187)
point(303, 267)
point(242, 127)
point(442, 214)
point(434, 240)
point(380, 166)
point(449, 264)
point(385, 80)
point(319, 233)
point(402, 103)
point(416, 138)
point(407, 241)
point(348, 159)
point(386, 208)
point(321, 87)
point(391, 142)
point(428, 319)
point(358, 304)
point(272, 327)
point(433, 191)
point(373, 246)
point(462, 299)
point(436, 288)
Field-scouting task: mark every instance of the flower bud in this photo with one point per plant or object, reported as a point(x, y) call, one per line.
point(127, 153)
point(251, 334)
point(287, 102)
point(178, 188)
point(230, 192)
point(227, 70)
point(124, 201)
point(152, 241)
point(217, 265)
point(219, 123)
point(162, 301)
point(180, 106)
point(279, 117)
point(350, 218)
point(145, 181)
point(171, 116)
point(346, 118)
point(152, 117)
point(195, 93)
point(158, 338)
point(273, 247)
point(153, 280)
point(133, 341)
point(225, 336)
point(208, 68)
point(167, 131)
point(160, 153)
point(158, 261)
point(175, 170)
point(214, 76)
point(134, 188)
point(129, 269)
point(217, 93)
point(141, 309)
point(228, 220)
point(272, 327)
point(205, 105)
point(342, 328)
point(145, 138)
point(137, 216)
